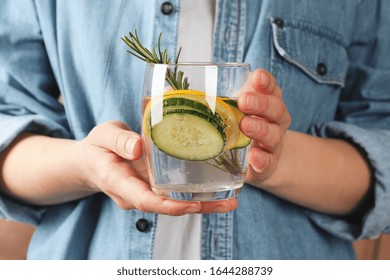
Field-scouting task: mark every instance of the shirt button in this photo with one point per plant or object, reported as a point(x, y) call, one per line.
point(321, 69)
point(279, 22)
point(142, 225)
point(167, 8)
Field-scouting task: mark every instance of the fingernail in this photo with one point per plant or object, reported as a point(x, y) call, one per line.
point(263, 79)
point(191, 210)
point(253, 126)
point(252, 103)
point(130, 144)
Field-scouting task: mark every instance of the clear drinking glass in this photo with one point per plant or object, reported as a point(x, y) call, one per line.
point(193, 146)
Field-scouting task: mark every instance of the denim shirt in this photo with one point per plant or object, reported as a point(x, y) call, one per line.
point(329, 57)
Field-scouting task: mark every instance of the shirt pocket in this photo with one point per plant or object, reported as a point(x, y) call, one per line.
point(310, 63)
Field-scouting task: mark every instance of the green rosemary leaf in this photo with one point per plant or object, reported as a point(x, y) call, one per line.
point(139, 47)
point(177, 56)
point(127, 42)
point(165, 57)
point(174, 79)
point(143, 51)
point(171, 78)
point(133, 47)
point(136, 55)
point(155, 55)
point(136, 34)
point(186, 84)
point(159, 46)
point(180, 79)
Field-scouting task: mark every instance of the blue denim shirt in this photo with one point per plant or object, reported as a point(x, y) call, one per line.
point(329, 57)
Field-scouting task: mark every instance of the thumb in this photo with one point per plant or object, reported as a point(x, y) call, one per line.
point(117, 137)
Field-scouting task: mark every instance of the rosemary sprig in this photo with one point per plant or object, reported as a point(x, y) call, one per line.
point(174, 78)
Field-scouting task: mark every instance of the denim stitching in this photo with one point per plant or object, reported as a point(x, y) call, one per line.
point(284, 52)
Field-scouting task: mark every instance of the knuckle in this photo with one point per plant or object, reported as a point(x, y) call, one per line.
point(264, 103)
point(264, 165)
point(118, 142)
point(259, 160)
point(116, 123)
point(94, 132)
point(101, 130)
point(278, 139)
point(264, 130)
point(267, 163)
point(271, 87)
point(278, 91)
point(288, 120)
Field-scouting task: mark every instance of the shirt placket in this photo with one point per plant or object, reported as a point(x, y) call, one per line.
point(167, 22)
point(143, 225)
point(217, 236)
point(229, 31)
point(142, 230)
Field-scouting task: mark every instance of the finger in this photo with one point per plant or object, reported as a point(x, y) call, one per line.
point(260, 161)
point(268, 135)
point(151, 203)
point(117, 137)
point(278, 91)
point(135, 193)
point(269, 107)
point(130, 192)
point(221, 206)
point(260, 81)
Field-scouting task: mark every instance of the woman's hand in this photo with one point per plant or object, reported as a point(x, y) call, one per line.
point(266, 123)
point(327, 175)
point(111, 162)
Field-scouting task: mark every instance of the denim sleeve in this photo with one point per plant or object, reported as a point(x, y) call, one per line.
point(363, 119)
point(28, 91)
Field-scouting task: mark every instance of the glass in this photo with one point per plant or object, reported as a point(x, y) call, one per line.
point(193, 146)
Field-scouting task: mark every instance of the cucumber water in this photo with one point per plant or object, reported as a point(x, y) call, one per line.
point(193, 143)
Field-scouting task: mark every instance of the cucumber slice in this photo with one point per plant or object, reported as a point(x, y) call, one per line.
point(224, 116)
point(214, 121)
point(223, 112)
point(189, 136)
point(231, 102)
point(176, 104)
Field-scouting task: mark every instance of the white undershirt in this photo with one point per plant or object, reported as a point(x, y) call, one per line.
point(179, 238)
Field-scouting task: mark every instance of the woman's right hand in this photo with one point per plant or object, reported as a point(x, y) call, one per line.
point(111, 161)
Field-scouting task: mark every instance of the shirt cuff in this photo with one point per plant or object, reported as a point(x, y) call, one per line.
point(375, 146)
point(12, 126)
point(14, 210)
